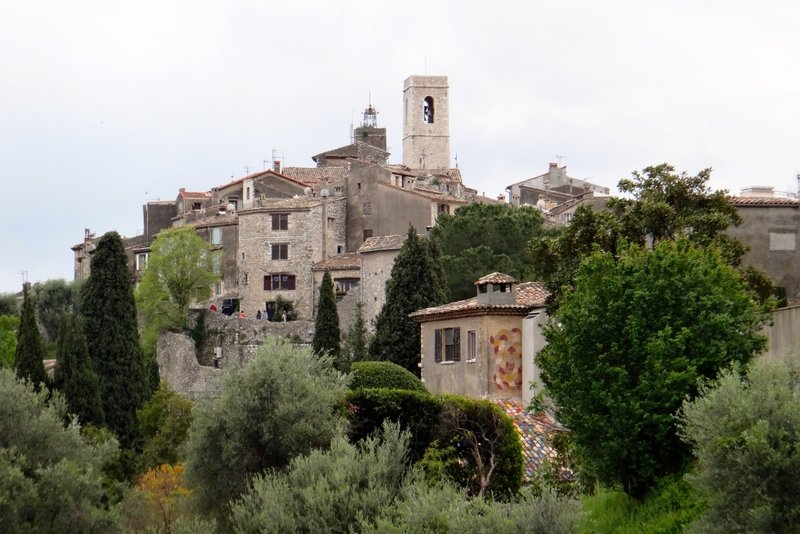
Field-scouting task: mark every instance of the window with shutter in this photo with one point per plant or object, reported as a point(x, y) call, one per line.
point(267, 282)
point(437, 344)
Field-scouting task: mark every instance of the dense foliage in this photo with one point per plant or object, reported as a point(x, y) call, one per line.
point(383, 375)
point(416, 282)
point(468, 441)
point(164, 421)
point(482, 238)
point(282, 404)
point(662, 205)
point(53, 299)
point(180, 270)
point(630, 343)
point(30, 351)
point(74, 375)
point(9, 304)
point(113, 336)
point(327, 491)
point(326, 329)
point(745, 431)
point(9, 326)
point(356, 342)
point(50, 477)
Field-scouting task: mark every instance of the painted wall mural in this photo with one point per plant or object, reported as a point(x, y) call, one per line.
point(507, 346)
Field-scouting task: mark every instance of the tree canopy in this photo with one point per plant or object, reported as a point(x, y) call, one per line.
point(483, 238)
point(74, 375)
point(9, 325)
point(326, 330)
point(180, 270)
point(50, 476)
point(112, 334)
point(30, 352)
point(52, 300)
point(416, 282)
point(744, 431)
point(282, 404)
point(630, 343)
point(663, 205)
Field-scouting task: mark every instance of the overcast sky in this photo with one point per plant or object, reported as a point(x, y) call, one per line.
point(106, 104)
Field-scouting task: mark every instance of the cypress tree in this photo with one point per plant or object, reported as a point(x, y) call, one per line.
point(356, 339)
point(30, 353)
point(326, 331)
point(74, 375)
point(113, 338)
point(416, 282)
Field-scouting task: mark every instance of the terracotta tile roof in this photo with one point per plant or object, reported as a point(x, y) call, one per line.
point(314, 175)
point(257, 175)
point(528, 295)
point(383, 242)
point(496, 278)
point(341, 262)
point(535, 432)
point(765, 201)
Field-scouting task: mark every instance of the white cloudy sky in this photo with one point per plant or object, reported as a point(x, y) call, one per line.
point(105, 104)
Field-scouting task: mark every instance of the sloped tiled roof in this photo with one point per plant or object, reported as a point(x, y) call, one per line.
point(535, 431)
point(295, 203)
point(439, 197)
point(528, 295)
point(193, 194)
point(341, 262)
point(358, 150)
point(765, 201)
point(383, 242)
point(314, 175)
point(496, 278)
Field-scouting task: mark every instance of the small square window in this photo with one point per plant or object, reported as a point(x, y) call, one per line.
point(216, 235)
point(367, 233)
point(472, 346)
point(367, 208)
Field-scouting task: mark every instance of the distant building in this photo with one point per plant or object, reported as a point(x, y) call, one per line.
point(551, 189)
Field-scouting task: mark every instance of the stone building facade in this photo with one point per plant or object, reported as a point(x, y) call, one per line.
point(279, 241)
point(377, 258)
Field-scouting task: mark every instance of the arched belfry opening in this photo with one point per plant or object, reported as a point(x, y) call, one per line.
point(427, 109)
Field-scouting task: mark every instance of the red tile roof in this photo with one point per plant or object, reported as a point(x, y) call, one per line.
point(528, 295)
point(314, 175)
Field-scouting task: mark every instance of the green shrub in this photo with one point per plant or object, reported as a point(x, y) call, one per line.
point(484, 448)
point(415, 411)
point(383, 375)
point(327, 491)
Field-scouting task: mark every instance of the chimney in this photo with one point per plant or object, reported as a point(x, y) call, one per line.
point(276, 165)
point(553, 165)
point(181, 190)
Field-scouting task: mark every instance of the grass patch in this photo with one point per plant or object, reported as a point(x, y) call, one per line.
point(671, 507)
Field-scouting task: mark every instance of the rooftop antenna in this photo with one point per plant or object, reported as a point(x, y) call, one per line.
point(24, 277)
point(352, 132)
point(246, 170)
point(559, 158)
point(456, 160)
point(265, 163)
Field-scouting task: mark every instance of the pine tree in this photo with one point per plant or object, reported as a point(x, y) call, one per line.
point(355, 343)
point(326, 332)
point(113, 337)
point(74, 375)
point(416, 282)
point(30, 353)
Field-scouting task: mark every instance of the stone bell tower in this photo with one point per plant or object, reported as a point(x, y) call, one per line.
point(426, 122)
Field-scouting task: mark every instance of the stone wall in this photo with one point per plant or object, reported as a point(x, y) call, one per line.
point(783, 335)
point(178, 366)
point(376, 269)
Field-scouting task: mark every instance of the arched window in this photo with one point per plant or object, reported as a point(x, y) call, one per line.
point(427, 110)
